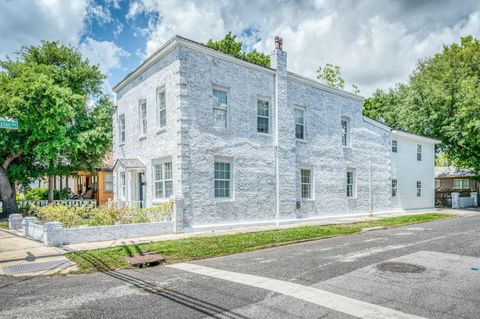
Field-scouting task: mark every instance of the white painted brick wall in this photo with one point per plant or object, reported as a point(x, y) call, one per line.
point(193, 143)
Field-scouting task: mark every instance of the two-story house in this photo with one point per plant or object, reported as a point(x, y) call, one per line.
point(243, 144)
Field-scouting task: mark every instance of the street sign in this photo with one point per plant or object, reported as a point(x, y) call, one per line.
point(8, 123)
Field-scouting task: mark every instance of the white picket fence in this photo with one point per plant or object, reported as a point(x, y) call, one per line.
point(68, 202)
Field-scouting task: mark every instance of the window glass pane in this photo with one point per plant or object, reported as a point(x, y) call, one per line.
point(158, 189)
point(299, 116)
point(157, 168)
point(220, 118)
point(305, 180)
point(108, 182)
point(167, 169)
point(168, 189)
point(262, 109)
point(394, 146)
point(222, 179)
point(299, 131)
point(262, 124)
point(219, 99)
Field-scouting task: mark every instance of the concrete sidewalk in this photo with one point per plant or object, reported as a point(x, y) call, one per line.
point(18, 250)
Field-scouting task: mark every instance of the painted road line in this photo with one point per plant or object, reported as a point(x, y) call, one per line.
point(313, 295)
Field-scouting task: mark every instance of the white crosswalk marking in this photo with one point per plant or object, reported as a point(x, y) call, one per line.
point(316, 296)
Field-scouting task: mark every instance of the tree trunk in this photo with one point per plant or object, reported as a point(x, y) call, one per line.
point(50, 188)
point(7, 194)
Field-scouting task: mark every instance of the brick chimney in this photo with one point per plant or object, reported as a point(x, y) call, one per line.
point(278, 56)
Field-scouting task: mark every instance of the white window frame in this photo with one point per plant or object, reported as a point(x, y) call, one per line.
point(351, 187)
point(394, 146)
point(300, 109)
point(106, 182)
point(345, 131)
point(259, 116)
point(309, 184)
point(121, 128)
point(217, 108)
point(419, 152)
point(142, 116)
point(419, 188)
point(161, 108)
point(222, 160)
point(166, 177)
point(394, 191)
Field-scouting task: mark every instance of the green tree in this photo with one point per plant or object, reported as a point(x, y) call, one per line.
point(230, 45)
point(332, 76)
point(47, 88)
point(440, 100)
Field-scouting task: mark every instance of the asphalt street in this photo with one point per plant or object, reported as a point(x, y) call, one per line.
point(427, 270)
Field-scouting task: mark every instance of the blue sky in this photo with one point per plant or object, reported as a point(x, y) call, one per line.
point(375, 42)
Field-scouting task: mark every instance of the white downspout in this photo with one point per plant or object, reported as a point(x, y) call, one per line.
point(370, 209)
point(275, 145)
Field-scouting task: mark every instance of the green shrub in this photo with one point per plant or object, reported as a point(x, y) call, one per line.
point(103, 215)
point(37, 193)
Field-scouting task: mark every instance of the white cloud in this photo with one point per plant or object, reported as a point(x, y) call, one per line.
point(104, 53)
point(27, 22)
point(376, 43)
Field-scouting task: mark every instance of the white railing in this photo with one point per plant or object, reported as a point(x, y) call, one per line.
point(66, 202)
point(125, 204)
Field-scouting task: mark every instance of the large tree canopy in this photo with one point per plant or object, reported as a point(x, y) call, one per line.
point(230, 45)
point(440, 100)
point(48, 89)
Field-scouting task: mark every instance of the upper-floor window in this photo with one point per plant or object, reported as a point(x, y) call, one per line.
point(306, 183)
point(461, 183)
point(222, 180)
point(419, 152)
point(161, 108)
point(345, 132)
point(220, 108)
point(162, 179)
point(108, 183)
point(263, 116)
point(437, 183)
point(299, 123)
point(142, 111)
point(394, 187)
point(351, 187)
point(121, 128)
point(394, 146)
point(419, 189)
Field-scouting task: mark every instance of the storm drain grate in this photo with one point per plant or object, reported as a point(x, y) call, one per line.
point(33, 267)
point(400, 267)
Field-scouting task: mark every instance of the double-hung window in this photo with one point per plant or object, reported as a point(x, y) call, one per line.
point(222, 177)
point(419, 189)
point(263, 116)
point(351, 183)
point(419, 152)
point(121, 128)
point(394, 188)
point(345, 132)
point(394, 146)
point(299, 123)
point(142, 111)
point(220, 108)
point(162, 179)
point(123, 185)
point(463, 183)
point(306, 183)
point(161, 108)
point(108, 183)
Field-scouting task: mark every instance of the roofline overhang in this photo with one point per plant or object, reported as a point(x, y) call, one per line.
point(416, 137)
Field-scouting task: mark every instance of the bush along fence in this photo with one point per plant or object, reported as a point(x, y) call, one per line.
point(53, 233)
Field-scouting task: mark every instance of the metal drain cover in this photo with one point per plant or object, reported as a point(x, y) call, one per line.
point(400, 267)
point(33, 267)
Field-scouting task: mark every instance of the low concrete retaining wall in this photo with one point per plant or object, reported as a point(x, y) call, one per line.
point(36, 231)
point(463, 202)
point(126, 231)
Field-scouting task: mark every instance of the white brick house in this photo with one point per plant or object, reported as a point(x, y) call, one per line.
point(240, 143)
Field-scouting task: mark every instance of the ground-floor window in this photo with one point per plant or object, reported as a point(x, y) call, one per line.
point(351, 183)
point(123, 185)
point(419, 189)
point(306, 183)
point(394, 187)
point(222, 179)
point(162, 179)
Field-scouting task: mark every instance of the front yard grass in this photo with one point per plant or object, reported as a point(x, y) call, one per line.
point(212, 246)
point(4, 224)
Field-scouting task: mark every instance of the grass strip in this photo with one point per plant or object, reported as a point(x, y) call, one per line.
point(213, 246)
